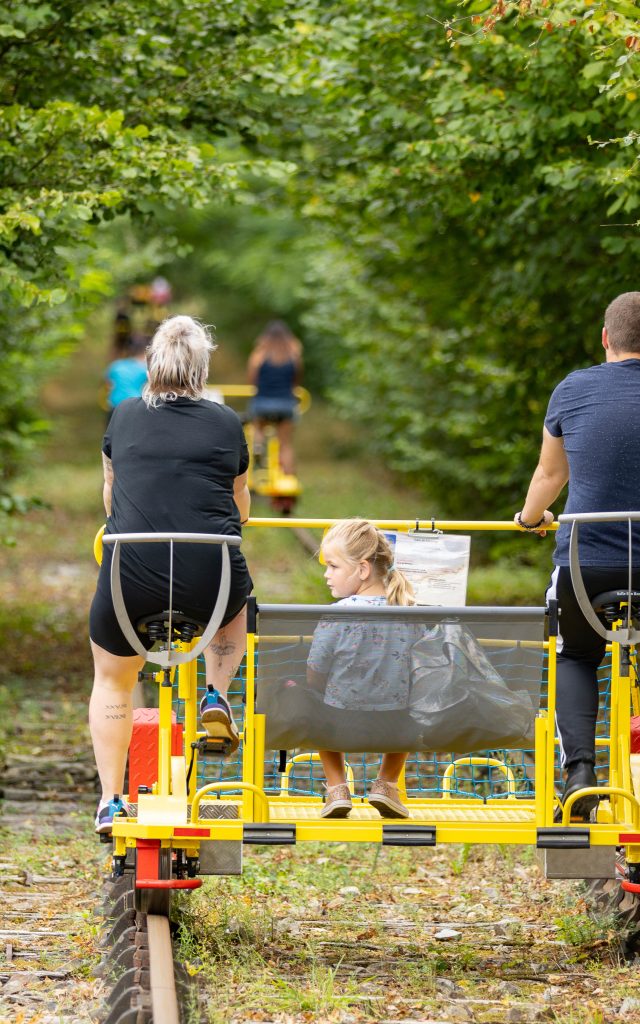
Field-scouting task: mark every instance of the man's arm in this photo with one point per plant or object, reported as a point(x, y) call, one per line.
point(241, 496)
point(550, 476)
point(107, 467)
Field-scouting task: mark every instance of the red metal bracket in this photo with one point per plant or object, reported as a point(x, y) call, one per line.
point(168, 883)
point(630, 886)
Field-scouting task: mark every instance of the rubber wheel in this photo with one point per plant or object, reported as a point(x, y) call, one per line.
point(156, 901)
point(283, 504)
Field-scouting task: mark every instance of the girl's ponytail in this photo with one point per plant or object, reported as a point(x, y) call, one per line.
point(398, 590)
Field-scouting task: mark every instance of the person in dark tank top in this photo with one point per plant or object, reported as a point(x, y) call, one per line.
point(590, 441)
point(275, 368)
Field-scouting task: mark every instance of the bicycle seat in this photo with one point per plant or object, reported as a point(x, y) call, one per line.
point(182, 628)
point(608, 603)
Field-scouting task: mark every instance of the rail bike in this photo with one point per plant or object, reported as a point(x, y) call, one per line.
point(193, 809)
point(266, 477)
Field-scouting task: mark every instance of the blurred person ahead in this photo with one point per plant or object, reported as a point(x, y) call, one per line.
point(127, 377)
point(275, 368)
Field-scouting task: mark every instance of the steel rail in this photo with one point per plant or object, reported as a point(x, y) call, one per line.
point(164, 998)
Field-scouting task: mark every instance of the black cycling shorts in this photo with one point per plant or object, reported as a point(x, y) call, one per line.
point(194, 596)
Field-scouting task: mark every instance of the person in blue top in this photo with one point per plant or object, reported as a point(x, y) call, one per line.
point(275, 368)
point(590, 440)
point(127, 377)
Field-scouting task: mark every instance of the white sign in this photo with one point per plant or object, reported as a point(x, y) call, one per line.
point(436, 564)
point(214, 395)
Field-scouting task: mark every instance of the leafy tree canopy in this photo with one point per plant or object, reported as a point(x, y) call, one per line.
point(469, 174)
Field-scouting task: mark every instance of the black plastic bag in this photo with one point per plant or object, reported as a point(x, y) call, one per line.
point(459, 701)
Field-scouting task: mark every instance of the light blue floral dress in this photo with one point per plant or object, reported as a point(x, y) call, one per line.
point(366, 662)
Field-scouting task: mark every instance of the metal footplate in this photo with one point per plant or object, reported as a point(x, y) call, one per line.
point(408, 835)
point(563, 839)
point(275, 834)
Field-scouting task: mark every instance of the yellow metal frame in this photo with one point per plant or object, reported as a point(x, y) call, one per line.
point(505, 820)
point(269, 480)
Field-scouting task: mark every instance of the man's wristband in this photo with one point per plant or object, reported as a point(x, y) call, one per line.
point(529, 526)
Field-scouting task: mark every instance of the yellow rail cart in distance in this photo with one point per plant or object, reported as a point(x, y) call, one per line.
point(266, 476)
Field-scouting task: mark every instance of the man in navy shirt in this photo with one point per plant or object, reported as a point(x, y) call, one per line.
point(590, 440)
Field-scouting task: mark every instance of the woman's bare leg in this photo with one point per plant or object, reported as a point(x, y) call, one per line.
point(258, 436)
point(110, 715)
point(225, 652)
point(392, 765)
point(333, 764)
point(285, 437)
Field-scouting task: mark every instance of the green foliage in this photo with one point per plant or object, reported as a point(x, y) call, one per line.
point(444, 203)
point(105, 110)
point(470, 223)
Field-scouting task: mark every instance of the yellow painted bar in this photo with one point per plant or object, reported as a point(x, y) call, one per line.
point(292, 522)
point(131, 830)
point(273, 461)
point(603, 791)
point(188, 692)
point(228, 787)
point(260, 725)
point(551, 714)
point(248, 743)
point(626, 781)
point(164, 737)
point(492, 762)
point(541, 740)
point(614, 776)
point(539, 645)
point(621, 738)
point(310, 757)
point(249, 390)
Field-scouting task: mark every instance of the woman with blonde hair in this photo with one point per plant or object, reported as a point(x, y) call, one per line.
point(275, 368)
point(173, 462)
point(362, 665)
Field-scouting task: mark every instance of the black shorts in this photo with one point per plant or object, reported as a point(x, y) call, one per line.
point(273, 410)
point(194, 596)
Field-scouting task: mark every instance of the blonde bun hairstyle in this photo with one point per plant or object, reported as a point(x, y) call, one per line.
point(178, 360)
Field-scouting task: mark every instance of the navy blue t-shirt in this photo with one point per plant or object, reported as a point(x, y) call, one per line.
point(596, 412)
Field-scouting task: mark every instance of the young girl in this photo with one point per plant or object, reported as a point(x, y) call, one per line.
point(362, 665)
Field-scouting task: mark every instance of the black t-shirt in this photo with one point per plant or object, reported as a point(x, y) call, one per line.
point(596, 411)
point(174, 469)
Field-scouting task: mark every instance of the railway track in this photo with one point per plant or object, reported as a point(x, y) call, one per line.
point(147, 987)
point(307, 538)
point(46, 942)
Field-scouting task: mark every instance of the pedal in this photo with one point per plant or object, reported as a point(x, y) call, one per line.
point(216, 746)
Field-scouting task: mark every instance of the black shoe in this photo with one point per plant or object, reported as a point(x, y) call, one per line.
point(581, 775)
